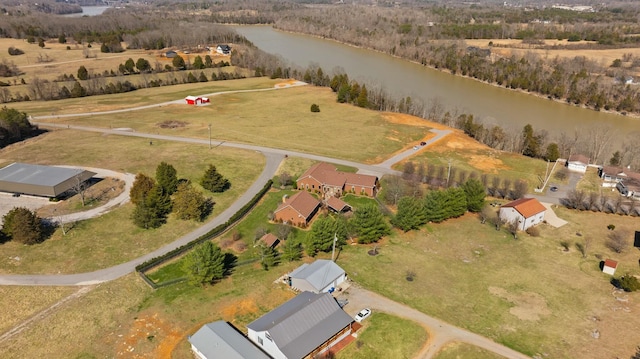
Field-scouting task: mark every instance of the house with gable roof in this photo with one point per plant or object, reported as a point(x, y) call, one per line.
point(319, 276)
point(221, 340)
point(577, 163)
point(303, 327)
point(526, 212)
point(325, 178)
point(297, 210)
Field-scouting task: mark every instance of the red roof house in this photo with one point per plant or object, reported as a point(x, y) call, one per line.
point(326, 179)
point(526, 212)
point(297, 210)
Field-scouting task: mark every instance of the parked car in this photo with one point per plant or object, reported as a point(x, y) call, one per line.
point(553, 189)
point(362, 315)
point(415, 147)
point(423, 143)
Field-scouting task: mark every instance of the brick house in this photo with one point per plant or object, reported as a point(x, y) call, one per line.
point(297, 210)
point(327, 180)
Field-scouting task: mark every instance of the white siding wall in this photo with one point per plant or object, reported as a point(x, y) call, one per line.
point(335, 283)
point(577, 167)
point(510, 214)
point(267, 345)
point(197, 352)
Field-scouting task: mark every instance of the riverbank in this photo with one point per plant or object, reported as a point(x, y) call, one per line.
point(563, 101)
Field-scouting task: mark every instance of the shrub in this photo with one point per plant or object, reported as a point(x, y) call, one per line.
point(611, 227)
point(13, 51)
point(315, 108)
point(533, 231)
point(617, 241)
point(629, 283)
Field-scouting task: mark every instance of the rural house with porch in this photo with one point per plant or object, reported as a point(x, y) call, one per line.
point(297, 210)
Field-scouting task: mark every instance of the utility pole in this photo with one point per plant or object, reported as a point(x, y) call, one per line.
point(333, 252)
point(209, 136)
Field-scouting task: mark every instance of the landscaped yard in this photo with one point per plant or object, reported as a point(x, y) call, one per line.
point(464, 350)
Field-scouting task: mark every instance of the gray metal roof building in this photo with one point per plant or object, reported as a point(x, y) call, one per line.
point(302, 324)
point(318, 276)
point(220, 340)
point(46, 181)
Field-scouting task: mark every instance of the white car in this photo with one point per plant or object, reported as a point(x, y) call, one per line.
point(362, 315)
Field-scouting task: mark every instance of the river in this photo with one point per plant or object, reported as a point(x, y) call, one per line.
point(492, 104)
point(89, 11)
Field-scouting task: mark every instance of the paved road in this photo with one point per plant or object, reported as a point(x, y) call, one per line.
point(440, 333)
point(401, 156)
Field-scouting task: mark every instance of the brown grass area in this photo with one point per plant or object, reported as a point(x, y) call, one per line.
point(95, 196)
point(25, 302)
point(516, 47)
point(527, 305)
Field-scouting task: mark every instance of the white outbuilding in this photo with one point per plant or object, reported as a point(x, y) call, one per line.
point(320, 276)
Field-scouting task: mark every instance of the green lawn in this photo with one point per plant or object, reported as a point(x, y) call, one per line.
point(386, 336)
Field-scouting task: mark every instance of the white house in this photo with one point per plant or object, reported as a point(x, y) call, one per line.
point(577, 163)
point(305, 326)
point(221, 340)
point(610, 266)
point(223, 49)
point(526, 212)
point(319, 276)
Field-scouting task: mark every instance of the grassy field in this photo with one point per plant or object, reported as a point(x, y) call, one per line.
point(463, 351)
point(386, 336)
point(27, 301)
point(524, 294)
point(279, 118)
point(98, 243)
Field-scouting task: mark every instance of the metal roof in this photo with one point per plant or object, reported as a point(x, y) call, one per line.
point(36, 174)
point(220, 340)
point(303, 323)
point(319, 274)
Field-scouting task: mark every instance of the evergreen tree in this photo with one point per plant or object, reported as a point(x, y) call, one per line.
point(166, 177)
point(143, 65)
point(83, 74)
point(214, 181)
point(129, 65)
point(202, 77)
point(475, 193)
point(320, 237)
point(270, 257)
point(615, 159)
point(456, 203)
point(78, 90)
point(410, 214)
point(343, 93)
point(208, 62)
point(292, 250)
point(153, 211)
point(363, 98)
point(178, 63)
point(189, 203)
point(205, 264)
point(191, 78)
point(197, 63)
point(62, 39)
point(531, 142)
point(23, 226)
point(552, 153)
point(369, 224)
point(434, 207)
point(142, 185)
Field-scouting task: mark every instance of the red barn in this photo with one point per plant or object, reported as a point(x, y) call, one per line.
point(196, 100)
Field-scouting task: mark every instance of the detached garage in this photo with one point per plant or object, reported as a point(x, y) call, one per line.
point(45, 181)
point(196, 100)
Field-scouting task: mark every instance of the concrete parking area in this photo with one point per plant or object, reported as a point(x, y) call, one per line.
point(9, 202)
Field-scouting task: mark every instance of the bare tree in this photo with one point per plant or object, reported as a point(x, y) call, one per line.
point(618, 241)
point(283, 231)
point(520, 189)
point(575, 199)
point(593, 201)
point(488, 214)
point(394, 189)
point(79, 187)
point(506, 188)
point(512, 227)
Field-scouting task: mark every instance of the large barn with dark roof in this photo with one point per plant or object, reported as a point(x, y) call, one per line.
point(37, 180)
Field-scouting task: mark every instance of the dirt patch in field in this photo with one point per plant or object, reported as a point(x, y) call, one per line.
point(143, 337)
point(404, 119)
point(487, 163)
point(527, 305)
point(172, 124)
point(244, 307)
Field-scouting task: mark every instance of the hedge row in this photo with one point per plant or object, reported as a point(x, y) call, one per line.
point(211, 234)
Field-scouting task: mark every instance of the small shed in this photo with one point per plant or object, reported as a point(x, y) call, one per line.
point(270, 240)
point(196, 100)
point(319, 276)
point(610, 266)
point(170, 54)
